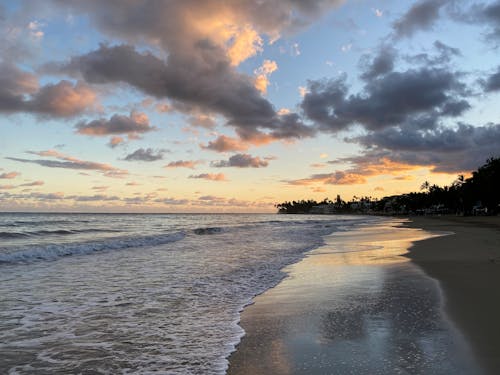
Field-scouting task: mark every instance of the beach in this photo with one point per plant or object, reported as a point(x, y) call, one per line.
point(467, 266)
point(409, 296)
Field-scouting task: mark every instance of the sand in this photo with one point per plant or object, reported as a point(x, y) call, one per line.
point(467, 266)
point(373, 311)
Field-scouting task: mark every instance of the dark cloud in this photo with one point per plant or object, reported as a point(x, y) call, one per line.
point(147, 154)
point(241, 161)
point(483, 14)
point(442, 56)
point(395, 98)
point(136, 123)
point(381, 64)
point(446, 51)
point(420, 16)
point(492, 83)
point(214, 86)
point(20, 92)
point(458, 149)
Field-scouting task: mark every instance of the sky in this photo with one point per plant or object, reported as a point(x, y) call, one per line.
point(234, 106)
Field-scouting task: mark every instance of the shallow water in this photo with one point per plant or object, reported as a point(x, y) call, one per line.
point(354, 306)
point(86, 293)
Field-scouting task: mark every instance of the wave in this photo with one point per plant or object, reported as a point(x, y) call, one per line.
point(54, 251)
point(207, 230)
point(7, 235)
point(35, 223)
point(60, 232)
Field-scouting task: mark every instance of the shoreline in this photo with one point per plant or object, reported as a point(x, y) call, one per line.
point(354, 305)
point(467, 266)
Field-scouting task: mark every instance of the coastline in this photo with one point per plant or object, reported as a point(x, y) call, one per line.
point(354, 305)
point(467, 266)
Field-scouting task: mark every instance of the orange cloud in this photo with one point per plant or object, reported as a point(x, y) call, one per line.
point(34, 183)
point(246, 43)
point(335, 178)
point(210, 176)
point(263, 72)
point(318, 165)
point(133, 125)
point(362, 169)
point(115, 141)
point(64, 98)
point(183, 164)
point(224, 143)
point(9, 175)
point(404, 178)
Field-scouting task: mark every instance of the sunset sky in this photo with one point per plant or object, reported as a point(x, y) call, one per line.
point(232, 106)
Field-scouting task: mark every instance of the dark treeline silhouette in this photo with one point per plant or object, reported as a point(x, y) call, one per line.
point(477, 195)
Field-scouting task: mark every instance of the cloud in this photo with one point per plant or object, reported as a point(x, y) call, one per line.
point(100, 188)
point(63, 99)
point(241, 161)
point(183, 164)
point(214, 89)
point(335, 178)
point(70, 162)
point(93, 198)
point(202, 120)
point(116, 141)
point(443, 56)
point(20, 92)
point(136, 123)
point(451, 150)
point(147, 154)
point(420, 16)
point(7, 187)
point(381, 64)
point(483, 14)
point(197, 47)
point(492, 83)
point(362, 167)
point(318, 165)
point(9, 175)
point(247, 43)
point(210, 176)
point(34, 183)
point(395, 98)
point(224, 143)
point(263, 73)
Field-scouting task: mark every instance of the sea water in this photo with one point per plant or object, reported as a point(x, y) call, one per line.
point(139, 293)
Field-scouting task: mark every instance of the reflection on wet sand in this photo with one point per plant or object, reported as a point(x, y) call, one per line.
point(354, 306)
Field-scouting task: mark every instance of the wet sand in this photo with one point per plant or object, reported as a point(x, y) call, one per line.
point(467, 266)
point(354, 306)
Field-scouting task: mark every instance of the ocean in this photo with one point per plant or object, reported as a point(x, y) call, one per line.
point(140, 293)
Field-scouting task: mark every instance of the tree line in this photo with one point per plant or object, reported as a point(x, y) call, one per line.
point(476, 195)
